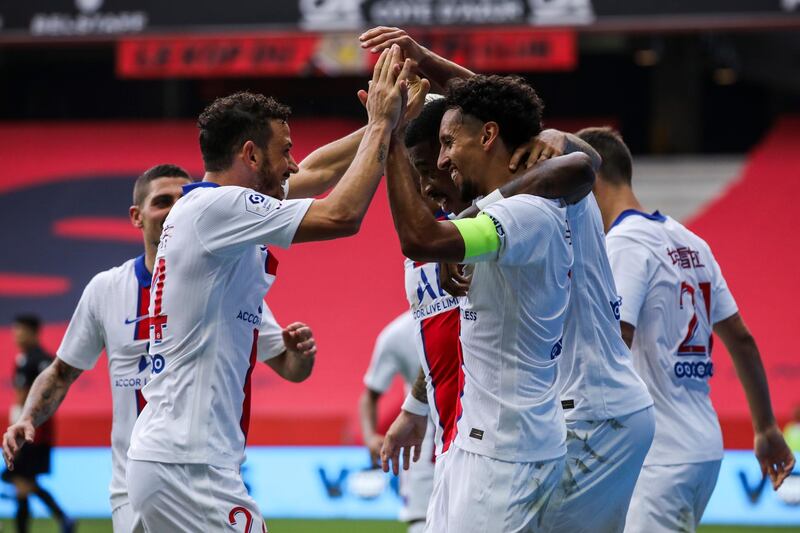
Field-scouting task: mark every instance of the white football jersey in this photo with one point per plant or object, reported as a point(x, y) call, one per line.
point(596, 376)
point(212, 271)
point(112, 314)
point(394, 353)
point(512, 322)
point(673, 293)
point(435, 315)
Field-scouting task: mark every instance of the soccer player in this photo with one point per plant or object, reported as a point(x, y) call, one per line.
point(112, 315)
point(436, 312)
point(213, 265)
point(395, 354)
point(508, 452)
point(34, 458)
point(608, 410)
point(607, 406)
point(673, 297)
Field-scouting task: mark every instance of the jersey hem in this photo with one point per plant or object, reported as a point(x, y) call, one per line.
point(153, 456)
point(587, 417)
point(684, 461)
point(511, 458)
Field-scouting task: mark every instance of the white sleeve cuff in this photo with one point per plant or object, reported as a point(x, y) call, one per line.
point(414, 406)
point(489, 199)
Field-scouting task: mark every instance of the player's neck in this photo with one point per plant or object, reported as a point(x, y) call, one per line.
point(150, 257)
point(496, 175)
point(620, 200)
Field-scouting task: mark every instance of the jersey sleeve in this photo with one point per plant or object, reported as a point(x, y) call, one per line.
point(524, 228)
point(237, 217)
point(84, 340)
point(270, 336)
point(723, 305)
point(632, 266)
point(384, 364)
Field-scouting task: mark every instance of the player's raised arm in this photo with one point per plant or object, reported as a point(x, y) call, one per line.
point(773, 454)
point(46, 394)
point(431, 65)
point(325, 166)
point(341, 212)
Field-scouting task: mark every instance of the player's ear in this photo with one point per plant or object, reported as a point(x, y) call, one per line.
point(249, 154)
point(135, 214)
point(489, 134)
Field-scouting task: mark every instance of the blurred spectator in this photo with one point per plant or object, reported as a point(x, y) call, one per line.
point(34, 458)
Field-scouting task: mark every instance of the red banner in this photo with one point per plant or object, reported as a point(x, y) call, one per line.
point(298, 54)
point(513, 50)
point(196, 56)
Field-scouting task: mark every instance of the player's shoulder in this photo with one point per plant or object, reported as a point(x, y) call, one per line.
point(688, 235)
point(112, 277)
point(639, 226)
point(526, 206)
point(232, 199)
point(399, 328)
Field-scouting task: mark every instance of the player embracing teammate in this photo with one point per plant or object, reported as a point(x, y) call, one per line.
point(610, 415)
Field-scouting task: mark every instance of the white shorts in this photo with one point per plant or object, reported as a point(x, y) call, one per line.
point(124, 520)
point(191, 498)
point(416, 483)
point(671, 498)
point(603, 462)
point(483, 495)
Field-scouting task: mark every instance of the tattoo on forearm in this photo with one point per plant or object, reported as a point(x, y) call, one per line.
point(382, 153)
point(48, 391)
point(419, 390)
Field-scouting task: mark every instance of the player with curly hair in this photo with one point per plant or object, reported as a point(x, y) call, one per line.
point(508, 453)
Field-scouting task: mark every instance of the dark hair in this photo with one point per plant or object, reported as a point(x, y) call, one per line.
point(425, 128)
point(617, 167)
point(166, 170)
point(231, 121)
point(32, 322)
point(507, 100)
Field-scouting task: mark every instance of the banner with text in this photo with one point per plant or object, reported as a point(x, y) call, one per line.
point(299, 54)
point(108, 19)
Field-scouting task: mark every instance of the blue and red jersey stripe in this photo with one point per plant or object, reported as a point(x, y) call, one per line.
point(442, 350)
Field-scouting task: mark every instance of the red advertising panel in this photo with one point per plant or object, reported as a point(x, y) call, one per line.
point(295, 54)
point(217, 56)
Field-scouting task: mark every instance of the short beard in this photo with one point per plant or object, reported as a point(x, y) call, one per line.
point(467, 191)
point(265, 184)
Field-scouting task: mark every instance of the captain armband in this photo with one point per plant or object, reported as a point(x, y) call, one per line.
point(481, 242)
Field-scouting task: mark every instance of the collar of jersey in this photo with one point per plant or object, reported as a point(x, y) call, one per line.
point(655, 215)
point(142, 274)
point(196, 185)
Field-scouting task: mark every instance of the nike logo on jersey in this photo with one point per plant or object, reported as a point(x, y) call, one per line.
point(137, 319)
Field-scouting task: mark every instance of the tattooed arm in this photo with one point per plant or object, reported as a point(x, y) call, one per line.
point(44, 397)
point(420, 388)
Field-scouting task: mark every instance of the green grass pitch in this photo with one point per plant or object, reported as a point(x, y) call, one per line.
point(341, 526)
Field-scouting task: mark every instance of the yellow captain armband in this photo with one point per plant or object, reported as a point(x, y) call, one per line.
point(481, 242)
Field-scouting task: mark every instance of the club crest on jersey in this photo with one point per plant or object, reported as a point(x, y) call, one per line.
point(557, 349)
point(615, 305)
point(258, 204)
point(158, 363)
